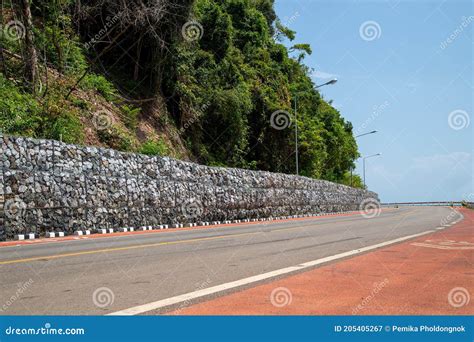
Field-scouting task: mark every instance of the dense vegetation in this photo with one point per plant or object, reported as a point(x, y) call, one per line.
point(194, 79)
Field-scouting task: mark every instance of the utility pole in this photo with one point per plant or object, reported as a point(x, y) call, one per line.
point(296, 136)
point(357, 136)
point(363, 161)
point(334, 80)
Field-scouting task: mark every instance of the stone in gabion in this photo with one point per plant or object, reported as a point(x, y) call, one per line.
point(59, 187)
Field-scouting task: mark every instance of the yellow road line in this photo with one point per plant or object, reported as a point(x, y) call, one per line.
point(105, 250)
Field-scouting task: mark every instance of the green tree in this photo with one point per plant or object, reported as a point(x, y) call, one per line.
point(217, 90)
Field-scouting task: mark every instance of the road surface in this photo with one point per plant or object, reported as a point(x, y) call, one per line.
point(428, 275)
point(108, 275)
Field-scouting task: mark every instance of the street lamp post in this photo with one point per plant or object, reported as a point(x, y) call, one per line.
point(357, 136)
point(361, 135)
point(334, 80)
point(296, 136)
point(363, 162)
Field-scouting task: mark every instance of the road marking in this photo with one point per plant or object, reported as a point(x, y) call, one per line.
point(246, 281)
point(11, 244)
point(57, 256)
point(445, 244)
point(427, 245)
point(105, 250)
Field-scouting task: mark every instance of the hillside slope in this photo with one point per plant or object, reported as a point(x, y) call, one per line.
point(209, 81)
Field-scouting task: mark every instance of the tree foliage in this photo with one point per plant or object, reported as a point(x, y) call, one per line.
point(218, 87)
point(253, 75)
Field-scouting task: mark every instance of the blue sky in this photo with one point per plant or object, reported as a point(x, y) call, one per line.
point(404, 68)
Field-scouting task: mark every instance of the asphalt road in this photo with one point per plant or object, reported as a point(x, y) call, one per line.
point(62, 277)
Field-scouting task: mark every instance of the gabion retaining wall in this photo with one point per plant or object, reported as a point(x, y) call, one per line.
point(47, 185)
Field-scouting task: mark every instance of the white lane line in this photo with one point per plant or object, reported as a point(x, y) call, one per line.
point(246, 281)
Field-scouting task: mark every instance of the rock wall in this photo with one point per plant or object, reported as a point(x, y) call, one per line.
point(51, 186)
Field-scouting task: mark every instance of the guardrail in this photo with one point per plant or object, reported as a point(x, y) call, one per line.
point(439, 203)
